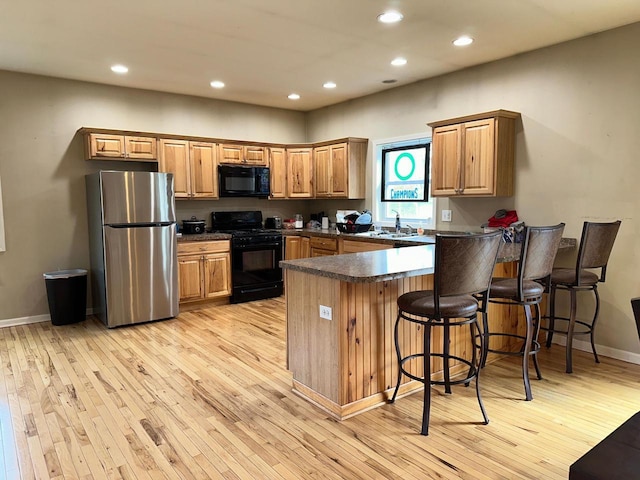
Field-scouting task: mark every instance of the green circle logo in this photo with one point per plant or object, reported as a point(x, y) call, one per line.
point(410, 159)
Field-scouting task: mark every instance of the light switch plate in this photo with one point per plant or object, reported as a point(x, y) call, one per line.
point(446, 215)
point(325, 312)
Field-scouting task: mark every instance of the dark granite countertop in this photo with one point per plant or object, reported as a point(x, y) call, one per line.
point(203, 237)
point(391, 264)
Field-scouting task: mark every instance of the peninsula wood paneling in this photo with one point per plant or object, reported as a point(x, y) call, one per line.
point(361, 336)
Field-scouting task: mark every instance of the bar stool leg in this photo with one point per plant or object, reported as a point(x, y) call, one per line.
point(570, 329)
point(474, 355)
point(593, 323)
point(426, 369)
point(552, 315)
point(445, 357)
point(482, 349)
point(526, 350)
point(397, 344)
point(536, 333)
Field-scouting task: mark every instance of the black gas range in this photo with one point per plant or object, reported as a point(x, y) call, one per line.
point(255, 255)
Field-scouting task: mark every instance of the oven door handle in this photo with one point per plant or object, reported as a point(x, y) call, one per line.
point(259, 246)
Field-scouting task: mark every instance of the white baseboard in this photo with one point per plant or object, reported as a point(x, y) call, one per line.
point(602, 350)
point(14, 322)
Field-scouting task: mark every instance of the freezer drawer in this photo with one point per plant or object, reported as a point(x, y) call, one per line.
point(141, 271)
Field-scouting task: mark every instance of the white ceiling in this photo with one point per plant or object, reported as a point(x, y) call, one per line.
point(265, 49)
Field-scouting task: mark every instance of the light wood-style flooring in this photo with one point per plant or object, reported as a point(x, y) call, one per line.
point(207, 395)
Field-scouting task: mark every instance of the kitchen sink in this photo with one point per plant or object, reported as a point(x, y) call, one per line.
point(385, 234)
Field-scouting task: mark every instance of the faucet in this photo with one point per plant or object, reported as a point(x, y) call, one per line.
point(410, 228)
point(398, 228)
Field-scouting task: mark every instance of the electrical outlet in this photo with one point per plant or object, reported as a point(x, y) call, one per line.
point(446, 215)
point(325, 312)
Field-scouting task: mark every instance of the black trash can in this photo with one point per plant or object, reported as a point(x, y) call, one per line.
point(67, 295)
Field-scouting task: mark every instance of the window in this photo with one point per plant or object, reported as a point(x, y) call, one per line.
point(411, 212)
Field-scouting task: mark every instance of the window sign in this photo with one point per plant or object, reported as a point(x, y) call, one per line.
point(405, 174)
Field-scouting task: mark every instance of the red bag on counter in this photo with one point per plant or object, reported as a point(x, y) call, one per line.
point(503, 218)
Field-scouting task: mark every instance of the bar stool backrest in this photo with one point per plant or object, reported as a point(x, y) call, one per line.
point(464, 264)
point(595, 246)
point(635, 305)
point(539, 249)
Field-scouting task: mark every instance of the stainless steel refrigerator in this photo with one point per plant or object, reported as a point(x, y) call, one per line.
point(132, 233)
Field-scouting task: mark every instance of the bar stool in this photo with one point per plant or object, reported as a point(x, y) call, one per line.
point(537, 254)
point(463, 268)
point(596, 244)
point(635, 306)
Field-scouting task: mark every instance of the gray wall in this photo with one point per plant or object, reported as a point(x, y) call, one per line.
point(42, 168)
point(577, 146)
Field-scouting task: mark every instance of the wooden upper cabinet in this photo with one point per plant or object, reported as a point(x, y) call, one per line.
point(174, 158)
point(278, 172)
point(445, 155)
point(193, 165)
point(339, 169)
point(322, 165)
point(299, 173)
point(204, 170)
point(474, 155)
point(331, 169)
point(242, 154)
point(121, 147)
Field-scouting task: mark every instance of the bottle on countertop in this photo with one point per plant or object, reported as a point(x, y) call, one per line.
point(398, 227)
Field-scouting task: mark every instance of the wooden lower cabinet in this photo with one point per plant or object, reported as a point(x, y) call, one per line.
point(321, 246)
point(204, 270)
point(190, 277)
point(296, 246)
point(355, 246)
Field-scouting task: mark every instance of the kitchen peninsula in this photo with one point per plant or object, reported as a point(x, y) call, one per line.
point(341, 312)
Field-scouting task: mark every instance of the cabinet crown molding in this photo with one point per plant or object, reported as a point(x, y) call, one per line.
point(475, 116)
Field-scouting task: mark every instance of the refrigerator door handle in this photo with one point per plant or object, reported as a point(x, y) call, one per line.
point(139, 225)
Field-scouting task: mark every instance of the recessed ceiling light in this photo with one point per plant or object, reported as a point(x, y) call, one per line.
point(463, 41)
point(119, 69)
point(391, 80)
point(294, 96)
point(398, 62)
point(390, 17)
point(329, 85)
point(217, 84)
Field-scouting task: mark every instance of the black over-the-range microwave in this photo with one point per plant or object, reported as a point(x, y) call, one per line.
point(240, 181)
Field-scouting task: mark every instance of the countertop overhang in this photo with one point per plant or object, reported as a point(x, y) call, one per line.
point(390, 264)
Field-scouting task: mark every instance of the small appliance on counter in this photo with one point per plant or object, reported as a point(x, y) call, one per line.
point(273, 222)
point(192, 226)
